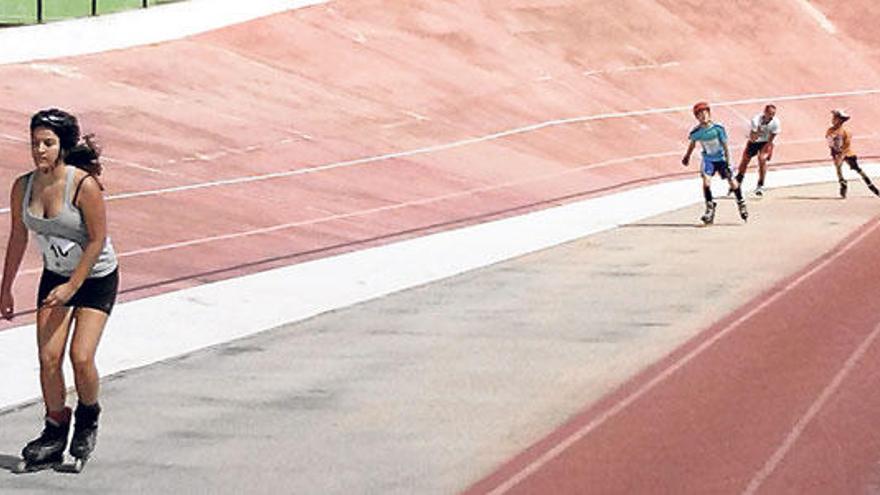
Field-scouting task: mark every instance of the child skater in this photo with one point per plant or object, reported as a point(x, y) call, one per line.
point(713, 139)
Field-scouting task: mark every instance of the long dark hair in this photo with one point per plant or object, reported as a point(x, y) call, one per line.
point(84, 153)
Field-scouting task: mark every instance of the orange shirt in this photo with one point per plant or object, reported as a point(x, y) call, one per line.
point(839, 141)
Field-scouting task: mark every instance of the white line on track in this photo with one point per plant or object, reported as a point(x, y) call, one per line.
point(10, 137)
point(631, 68)
point(585, 430)
point(138, 166)
point(483, 139)
point(795, 433)
point(408, 204)
point(817, 15)
point(470, 141)
point(395, 206)
point(475, 140)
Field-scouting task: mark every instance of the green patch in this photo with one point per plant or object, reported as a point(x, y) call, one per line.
point(25, 11)
point(109, 6)
point(54, 10)
point(18, 11)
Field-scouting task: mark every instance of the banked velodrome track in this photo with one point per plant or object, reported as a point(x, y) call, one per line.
point(349, 125)
point(344, 125)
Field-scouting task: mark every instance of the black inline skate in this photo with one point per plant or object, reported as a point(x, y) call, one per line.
point(85, 434)
point(709, 216)
point(46, 451)
point(743, 212)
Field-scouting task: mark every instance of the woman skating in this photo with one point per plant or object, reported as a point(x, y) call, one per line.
point(61, 202)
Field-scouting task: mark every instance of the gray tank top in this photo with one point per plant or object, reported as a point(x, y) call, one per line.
point(63, 237)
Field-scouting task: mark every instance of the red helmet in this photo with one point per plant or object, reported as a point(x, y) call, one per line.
point(699, 107)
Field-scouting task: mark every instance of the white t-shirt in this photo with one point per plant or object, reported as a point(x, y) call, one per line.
point(765, 130)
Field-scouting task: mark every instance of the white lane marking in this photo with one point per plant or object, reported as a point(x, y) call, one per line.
point(870, 169)
point(126, 163)
point(58, 70)
point(273, 228)
point(416, 115)
point(817, 14)
point(370, 211)
point(799, 427)
point(133, 28)
point(16, 139)
point(359, 38)
point(482, 139)
point(239, 180)
point(413, 115)
point(402, 205)
point(395, 206)
point(782, 178)
point(470, 141)
point(631, 68)
point(583, 431)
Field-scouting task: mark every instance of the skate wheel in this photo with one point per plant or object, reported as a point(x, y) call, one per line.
point(78, 465)
point(20, 468)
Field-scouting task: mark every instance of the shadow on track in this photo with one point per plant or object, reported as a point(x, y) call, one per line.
point(9, 462)
point(812, 198)
point(677, 225)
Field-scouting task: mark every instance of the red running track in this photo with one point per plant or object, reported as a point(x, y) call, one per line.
point(779, 397)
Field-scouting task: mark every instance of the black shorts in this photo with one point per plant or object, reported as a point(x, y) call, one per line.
point(753, 148)
point(96, 293)
point(851, 160)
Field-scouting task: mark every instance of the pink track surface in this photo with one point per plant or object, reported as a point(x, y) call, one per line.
point(359, 79)
point(719, 418)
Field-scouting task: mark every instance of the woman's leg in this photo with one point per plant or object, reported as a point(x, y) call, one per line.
point(86, 336)
point(53, 327)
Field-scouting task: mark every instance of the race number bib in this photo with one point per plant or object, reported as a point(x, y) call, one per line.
point(713, 147)
point(60, 255)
